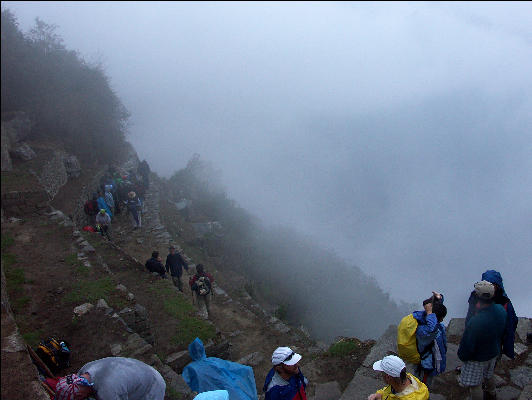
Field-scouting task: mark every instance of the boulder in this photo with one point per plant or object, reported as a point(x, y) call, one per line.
point(385, 345)
point(328, 391)
point(361, 387)
point(23, 152)
point(521, 376)
point(116, 349)
point(520, 348)
point(526, 394)
point(102, 304)
point(456, 327)
point(452, 357)
point(18, 127)
point(505, 393)
point(83, 309)
point(252, 359)
point(524, 327)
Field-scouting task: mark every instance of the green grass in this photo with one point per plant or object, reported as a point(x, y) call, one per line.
point(72, 259)
point(7, 241)
point(188, 326)
point(83, 270)
point(172, 394)
point(33, 338)
point(90, 291)
point(343, 348)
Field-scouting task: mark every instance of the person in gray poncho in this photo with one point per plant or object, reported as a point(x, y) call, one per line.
point(115, 378)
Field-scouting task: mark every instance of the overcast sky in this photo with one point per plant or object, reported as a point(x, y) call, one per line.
point(399, 134)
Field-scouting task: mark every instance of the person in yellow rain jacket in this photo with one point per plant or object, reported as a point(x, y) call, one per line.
point(401, 385)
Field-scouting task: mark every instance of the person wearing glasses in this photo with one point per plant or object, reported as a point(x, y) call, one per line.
point(112, 378)
point(285, 381)
point(401, 385)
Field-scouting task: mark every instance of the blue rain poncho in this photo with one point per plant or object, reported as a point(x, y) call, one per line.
point(211, 373)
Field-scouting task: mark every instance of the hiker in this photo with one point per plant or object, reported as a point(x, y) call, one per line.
point(285, 381)
point(500, 297)
point(481, 343)
point(144, 170)
point(175, 264)
point(201, 285)
point(431, 339)
point(103, 204)
point(133, 208)
point(154, 264)
point(91, 209)
point(103, 223)
point(112, 378)
point(401, 385)
point(109, 197)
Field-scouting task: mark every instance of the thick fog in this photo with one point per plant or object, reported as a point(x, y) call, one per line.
point(399, 134)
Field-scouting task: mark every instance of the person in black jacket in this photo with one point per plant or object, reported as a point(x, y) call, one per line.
point(174, 265)
point(154, 264)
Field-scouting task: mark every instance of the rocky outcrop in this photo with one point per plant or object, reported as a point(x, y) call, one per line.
point(16, 127)
point(23, 152)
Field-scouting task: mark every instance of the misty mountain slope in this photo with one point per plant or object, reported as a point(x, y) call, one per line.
point(290, 272)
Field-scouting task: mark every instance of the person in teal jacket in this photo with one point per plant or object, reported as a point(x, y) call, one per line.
point(481, 343)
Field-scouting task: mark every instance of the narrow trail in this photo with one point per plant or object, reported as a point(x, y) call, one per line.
point(253, 334)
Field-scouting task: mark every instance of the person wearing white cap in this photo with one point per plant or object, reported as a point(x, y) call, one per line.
point(401, 385)
point(480, 345)
point(285, 381)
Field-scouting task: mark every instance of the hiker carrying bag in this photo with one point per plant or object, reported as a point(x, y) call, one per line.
point(203, 286)
point(406, 340)
point(54, 353)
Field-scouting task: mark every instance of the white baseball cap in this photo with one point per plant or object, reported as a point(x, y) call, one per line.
point(390, 365)
point(285, 355)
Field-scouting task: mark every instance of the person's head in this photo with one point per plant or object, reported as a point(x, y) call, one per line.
point(74, 387)
point(393, 370)
point(131, 195)
point(99, 193)
point(200, 269)
point(495, 278)
point(485, 291)
point(439, 310)
point(172, 250)
point(102, 211)
point(95, 196)
point(285, 361)
point(155, 254)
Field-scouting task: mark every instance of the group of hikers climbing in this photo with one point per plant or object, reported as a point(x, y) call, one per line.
point(421, 341)
point(117, 189)
point(201, 282)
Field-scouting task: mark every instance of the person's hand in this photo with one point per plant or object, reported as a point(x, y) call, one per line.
point(375, 396)
point(437, 295)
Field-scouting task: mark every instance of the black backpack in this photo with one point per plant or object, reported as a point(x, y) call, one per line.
point(203, 286)
point(54, 353)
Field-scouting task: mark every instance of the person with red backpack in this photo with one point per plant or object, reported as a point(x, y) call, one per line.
point(201, 284)
point(91, 209)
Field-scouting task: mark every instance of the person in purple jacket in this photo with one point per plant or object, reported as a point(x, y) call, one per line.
point(285, 381)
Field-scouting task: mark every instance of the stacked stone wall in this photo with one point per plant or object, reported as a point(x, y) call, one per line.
point(25, 203)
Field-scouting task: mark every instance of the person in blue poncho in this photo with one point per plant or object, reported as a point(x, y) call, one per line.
point(212, 373)
point(501, 298)
point(102, 204)
point(431, 339)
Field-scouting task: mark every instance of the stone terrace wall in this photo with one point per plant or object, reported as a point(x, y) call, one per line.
point(25, 203)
